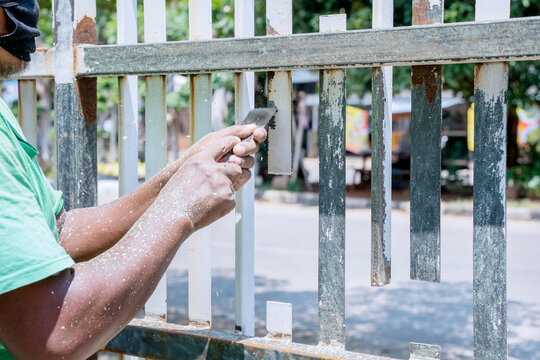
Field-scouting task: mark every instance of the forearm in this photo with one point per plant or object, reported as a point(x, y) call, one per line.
point(81, 310)
point(87, 232)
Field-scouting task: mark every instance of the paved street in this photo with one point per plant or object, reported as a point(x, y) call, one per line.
point(379, 320)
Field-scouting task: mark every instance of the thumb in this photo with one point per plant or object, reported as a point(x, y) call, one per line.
point(220, 147)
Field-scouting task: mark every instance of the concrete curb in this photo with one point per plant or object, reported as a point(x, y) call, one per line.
point(312, 199)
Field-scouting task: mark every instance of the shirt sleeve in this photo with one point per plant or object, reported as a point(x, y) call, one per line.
point(29, 251)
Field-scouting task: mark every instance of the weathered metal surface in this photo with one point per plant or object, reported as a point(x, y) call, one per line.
point(76, 160)
point(489, 195)
point(41, 65)
point(279, 22)
point(489, 212)
point(381, 182)
point(426, 122)
point(155, 133)
point(424, 352)
point(244, 26)
point(515, 39)
point(28, 110)
point(332, 207)
point(158, 340)
point(200, 279)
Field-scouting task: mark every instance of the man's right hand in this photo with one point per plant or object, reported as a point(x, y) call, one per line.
point(202, 190)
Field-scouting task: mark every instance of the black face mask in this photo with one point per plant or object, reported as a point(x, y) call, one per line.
point(22, 17)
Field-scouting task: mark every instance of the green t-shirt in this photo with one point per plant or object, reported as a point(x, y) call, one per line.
point(29, 248)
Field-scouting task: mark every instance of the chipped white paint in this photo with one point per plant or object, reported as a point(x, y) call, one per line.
point(28, 110)
point(200, 281)
point(244, 26)
point(279, 17)
point(492, 79)
point(200, 19)
point(156, 132)
point(333, 23)
point(279, 22)
point(383, 17)
point(492, 10)
point(63, 59)
point(279, 320)
point(128, 129)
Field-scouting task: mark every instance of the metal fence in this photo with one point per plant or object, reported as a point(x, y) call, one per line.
point(489, 42)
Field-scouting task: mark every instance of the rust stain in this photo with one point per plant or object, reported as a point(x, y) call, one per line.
point(85, 32)
point(427, 75)
point(477, 70)
point(269, 29)
point(86, 90)
point(421, 13)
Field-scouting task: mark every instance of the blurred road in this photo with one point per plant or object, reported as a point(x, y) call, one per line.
point(379, 320)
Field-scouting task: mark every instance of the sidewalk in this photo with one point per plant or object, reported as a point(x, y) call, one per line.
point(448, 208)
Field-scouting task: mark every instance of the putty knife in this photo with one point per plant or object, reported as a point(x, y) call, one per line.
point(259, 117)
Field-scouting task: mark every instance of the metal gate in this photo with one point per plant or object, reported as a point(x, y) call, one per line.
point(489, 42)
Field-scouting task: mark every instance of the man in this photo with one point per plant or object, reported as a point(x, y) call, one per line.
point(69, 282)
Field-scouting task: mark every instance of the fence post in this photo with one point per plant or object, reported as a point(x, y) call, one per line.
point(332, 197)
point(381, 182)
point(75, 106)
point(155, 153)
point(426, 118)
point(28, 110)
point(200, 306)
point(279, 22)
point(244, 26)
point(489, 209)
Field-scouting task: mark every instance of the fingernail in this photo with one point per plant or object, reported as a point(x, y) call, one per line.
point(251, 126)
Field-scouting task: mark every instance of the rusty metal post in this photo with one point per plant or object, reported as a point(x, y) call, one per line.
point(332, 197)
point(279, 22)
point(75, 105)
point(489, 209)
point(426, 122)
point(381, 182)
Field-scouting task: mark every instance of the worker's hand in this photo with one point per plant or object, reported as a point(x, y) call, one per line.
point(202, 190)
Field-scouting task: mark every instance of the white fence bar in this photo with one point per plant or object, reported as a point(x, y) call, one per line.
point(156, 132)
point(200, 281)
point(279, 22)
point(244, 26)
point(28, 110)
point(489, 209)
point(381, 182)
point(279, 320)
point(332, 95)
point(126, 12)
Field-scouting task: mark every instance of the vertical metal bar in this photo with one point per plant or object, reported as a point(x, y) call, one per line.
point(426, 118)
point(279, 22)
point(128, 110)
point(156, 132)
point(75, 106)
point(332, 197)
point(489, 210)
point(28, 110)
point(200, 306)
point(244, 26)
point(381, 182)
point(279, 320)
